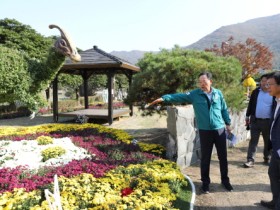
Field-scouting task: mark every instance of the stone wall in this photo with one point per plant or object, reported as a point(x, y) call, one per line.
point(183, 145)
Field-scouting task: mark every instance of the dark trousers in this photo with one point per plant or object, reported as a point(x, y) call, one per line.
point(209, 138)
point(274, 177)
point(258, 127)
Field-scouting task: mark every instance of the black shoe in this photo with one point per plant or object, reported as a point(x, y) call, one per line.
point(205, 188)
point(249, 164)
point(268, 204)
point(227, 186)
point(266, 162)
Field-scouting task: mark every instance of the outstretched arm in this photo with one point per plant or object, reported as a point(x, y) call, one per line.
point(154, 102)
point(173, 98)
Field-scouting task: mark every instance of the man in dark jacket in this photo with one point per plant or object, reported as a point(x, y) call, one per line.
point(273, 84)
point(258, 118)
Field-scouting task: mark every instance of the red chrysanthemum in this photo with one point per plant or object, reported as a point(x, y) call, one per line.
point(126, 191)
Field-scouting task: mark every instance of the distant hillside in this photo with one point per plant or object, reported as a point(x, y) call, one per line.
point(130, 56)
point(265, 30)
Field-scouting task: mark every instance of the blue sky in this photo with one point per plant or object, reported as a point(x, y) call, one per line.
point(125, 25)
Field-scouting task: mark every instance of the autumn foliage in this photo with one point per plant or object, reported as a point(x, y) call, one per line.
point(251, 54)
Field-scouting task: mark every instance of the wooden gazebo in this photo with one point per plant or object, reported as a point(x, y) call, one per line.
point(95, 61)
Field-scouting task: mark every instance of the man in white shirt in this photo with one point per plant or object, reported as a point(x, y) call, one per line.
point(273, 85)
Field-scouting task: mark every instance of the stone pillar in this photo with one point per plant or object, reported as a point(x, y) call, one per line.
point(183, 145)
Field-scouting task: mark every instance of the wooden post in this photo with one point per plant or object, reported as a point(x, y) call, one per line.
point(110, 76)
point(85, 78)
point(129, 86)
point(55, 99)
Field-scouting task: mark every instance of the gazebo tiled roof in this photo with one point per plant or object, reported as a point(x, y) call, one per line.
point(98, 61)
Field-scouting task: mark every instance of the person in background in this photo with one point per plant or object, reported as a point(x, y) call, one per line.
point(273, 85)
point(258, 118)
point(212, 118)
point(250, 85)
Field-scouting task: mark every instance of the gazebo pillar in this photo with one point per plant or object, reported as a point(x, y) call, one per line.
point(129, 86)
point(110, 79)
point(85, 79)
point(55, 99)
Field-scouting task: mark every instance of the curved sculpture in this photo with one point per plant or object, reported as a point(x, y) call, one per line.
point(65, 45)
point(32, 76)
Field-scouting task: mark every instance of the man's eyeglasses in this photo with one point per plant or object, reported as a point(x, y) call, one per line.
point(268, 85)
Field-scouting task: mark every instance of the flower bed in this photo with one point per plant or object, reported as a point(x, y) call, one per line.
point(119, 174)
point(71, 105)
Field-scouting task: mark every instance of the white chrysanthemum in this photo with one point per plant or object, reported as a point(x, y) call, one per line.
point(28, 153)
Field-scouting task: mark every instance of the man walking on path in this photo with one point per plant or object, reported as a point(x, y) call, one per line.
point(273, 84)
point(258, 118)
point(212, 117)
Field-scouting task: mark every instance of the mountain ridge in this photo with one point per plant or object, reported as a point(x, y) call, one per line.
point(265, 30)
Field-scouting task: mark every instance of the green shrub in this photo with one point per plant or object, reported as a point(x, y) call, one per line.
point(116, 154)
point(52, 152)
point(67, 103)
point(44, 140)
point(179, 69)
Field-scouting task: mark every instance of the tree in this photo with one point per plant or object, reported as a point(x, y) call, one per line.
point(20, 43)
point(71, 82)
point(251, 54)
point(15, 35)
point(23, 78)
point(99, 81)
point(177, 71)
point(121, 86)
point(25, 42)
